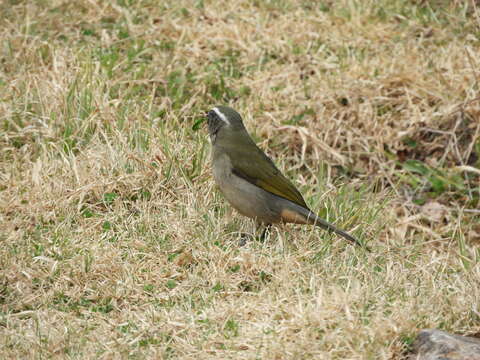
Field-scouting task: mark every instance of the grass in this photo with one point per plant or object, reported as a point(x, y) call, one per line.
point(114, 241)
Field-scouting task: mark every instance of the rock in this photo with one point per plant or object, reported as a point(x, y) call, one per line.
point(432, 344)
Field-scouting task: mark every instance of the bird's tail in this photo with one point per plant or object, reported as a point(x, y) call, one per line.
point(313, 219)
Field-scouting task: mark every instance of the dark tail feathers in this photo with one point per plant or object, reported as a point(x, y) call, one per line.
point(313, 219)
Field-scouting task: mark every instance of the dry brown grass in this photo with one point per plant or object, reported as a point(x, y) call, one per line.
point(114, 241)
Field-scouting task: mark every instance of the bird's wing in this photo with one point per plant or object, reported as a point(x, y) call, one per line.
point(258, 169)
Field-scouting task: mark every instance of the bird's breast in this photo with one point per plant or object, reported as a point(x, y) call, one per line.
point(247, 198)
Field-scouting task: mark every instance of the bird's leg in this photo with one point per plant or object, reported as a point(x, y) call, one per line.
point(265, 231)
point(244, 237)
point(258, 226)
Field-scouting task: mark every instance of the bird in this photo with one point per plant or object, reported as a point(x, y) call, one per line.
point(249, 179)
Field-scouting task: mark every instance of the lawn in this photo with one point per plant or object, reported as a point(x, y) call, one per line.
point(115, 241)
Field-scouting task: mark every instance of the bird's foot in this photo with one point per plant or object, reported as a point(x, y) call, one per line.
point(265, 233)
point(244, 238)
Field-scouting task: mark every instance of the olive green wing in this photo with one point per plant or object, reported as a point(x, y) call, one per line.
point(258, 169)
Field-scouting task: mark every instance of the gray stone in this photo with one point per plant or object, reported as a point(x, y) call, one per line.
point(432, 344)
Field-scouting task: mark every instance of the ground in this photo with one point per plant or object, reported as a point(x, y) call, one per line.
point(114, 240)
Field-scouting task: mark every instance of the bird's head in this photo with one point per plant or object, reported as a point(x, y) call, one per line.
point(223, 120)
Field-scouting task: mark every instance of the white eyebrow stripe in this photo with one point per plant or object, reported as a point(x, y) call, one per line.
point(221, 116)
